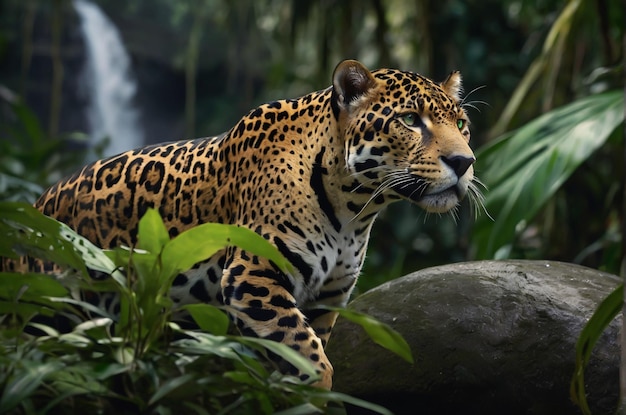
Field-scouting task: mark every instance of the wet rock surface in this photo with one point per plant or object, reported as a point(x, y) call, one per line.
point(488, 337)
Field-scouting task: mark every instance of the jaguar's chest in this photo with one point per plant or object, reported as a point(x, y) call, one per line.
point(335, 265)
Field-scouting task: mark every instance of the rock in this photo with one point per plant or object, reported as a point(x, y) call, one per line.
point(488, 337)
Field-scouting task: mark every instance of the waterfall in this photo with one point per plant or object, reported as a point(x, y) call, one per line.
point(109, 82)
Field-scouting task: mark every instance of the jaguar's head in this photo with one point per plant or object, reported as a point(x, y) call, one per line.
point(405, 135)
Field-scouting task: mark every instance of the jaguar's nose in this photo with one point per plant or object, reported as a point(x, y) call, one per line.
point(459, 164)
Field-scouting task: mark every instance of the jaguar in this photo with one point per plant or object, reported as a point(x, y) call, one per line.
point(309, 174)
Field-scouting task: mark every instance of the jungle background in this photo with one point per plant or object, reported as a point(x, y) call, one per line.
point(199, 65)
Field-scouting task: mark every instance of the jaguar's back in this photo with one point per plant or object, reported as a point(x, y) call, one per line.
point(105, 200)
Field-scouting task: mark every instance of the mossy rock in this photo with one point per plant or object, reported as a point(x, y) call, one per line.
point(488, 337)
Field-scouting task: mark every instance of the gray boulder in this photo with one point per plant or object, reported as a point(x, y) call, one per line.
point(488, 337)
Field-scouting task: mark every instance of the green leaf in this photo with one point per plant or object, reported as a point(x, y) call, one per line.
point(608, 309)
point(23, 383)
point(201, 242)
point(77, 380)
point(49, 331)
point(209, 318)
point(298, 360)
point(152, 234)
point(169, 386)
point(29, 286)
point(379, 332)
point(242, 377)
point(85, 305)
point(29, 294)
point(200, 343)
point(524, 169)
point(26, 311)
point(109, 369)
point(26, 231)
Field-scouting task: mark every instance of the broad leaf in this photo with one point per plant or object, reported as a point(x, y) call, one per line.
point(29, 294)
point(201, 242)
point(30, 287)
point(26, 231)
point(209, 318)
point(523, 169)
point(152, 233)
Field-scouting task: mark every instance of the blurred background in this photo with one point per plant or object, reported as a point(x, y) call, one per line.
point(84, 79)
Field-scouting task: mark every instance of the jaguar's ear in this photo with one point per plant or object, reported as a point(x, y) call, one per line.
point(351, 80)
point(453, 85)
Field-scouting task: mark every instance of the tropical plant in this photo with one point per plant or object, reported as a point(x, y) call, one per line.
point(30, 160)
point(525, 168)
point(139, 360)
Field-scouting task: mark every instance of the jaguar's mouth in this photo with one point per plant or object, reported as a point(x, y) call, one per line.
point(438, 201)
point(413, 190)
point(442, 201)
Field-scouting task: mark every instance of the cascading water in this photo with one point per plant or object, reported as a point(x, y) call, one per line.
point(109, 82)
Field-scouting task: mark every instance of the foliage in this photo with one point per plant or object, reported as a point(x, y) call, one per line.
point(604, 314)
point(547, 71)
point(139, 360)
point(29, 159)
point(525, 168)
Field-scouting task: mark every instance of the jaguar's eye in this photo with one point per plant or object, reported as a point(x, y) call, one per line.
point(460, 123)
point(411, 119)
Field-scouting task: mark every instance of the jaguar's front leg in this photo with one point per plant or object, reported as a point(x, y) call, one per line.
point(335, 293)
point(260, 300)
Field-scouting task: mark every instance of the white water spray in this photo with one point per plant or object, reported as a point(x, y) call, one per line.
point(109, 81)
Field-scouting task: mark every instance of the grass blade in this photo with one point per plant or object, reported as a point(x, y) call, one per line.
point(381, 333)
point(608, 309)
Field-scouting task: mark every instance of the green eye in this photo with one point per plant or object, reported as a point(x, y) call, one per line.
point(460, 123)
point(411, 119)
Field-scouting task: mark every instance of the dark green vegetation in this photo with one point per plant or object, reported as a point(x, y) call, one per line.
point(550, 140)
point(140, 361)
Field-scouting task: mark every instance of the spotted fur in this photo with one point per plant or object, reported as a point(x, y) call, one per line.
point(308, 174)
